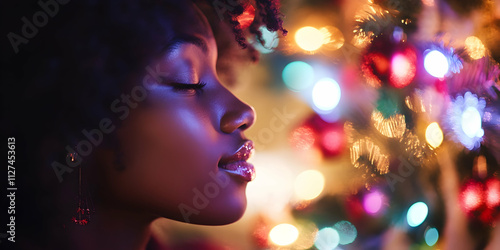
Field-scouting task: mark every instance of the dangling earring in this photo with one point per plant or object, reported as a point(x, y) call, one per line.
point(84, 200)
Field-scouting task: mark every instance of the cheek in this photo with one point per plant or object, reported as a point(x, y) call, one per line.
point(170, 158)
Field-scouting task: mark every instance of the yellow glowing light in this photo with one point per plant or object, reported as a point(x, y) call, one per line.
point(284, 234)
point(475, 47)
point(310, 39)
point(309, 184)
point(333, 38)
point(393, 127)
point(434, 135)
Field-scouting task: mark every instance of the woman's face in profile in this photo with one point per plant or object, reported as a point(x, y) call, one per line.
point(183, 148)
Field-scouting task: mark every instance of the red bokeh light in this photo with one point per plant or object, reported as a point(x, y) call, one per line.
point(303, 138)
point(332, 141)
point(472, 196)
point(493, 193)
point(403, 68)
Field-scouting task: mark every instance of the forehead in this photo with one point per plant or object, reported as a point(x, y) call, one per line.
point(186, 20)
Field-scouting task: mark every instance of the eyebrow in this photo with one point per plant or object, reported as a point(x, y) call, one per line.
point(176, 42)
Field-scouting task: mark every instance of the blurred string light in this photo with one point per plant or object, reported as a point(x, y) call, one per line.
point(434, 135)
point(403, 68)
point(480, 196)
point(493, 193)
point(333, 140)
point(392, 127)
point(472, 196)
point(283, 234)
point(309, 184)
point(431, 236)
point(327, 239)
point(417, 213)
point(298, 75)
point(373, 202)
point(326, 95)
point(436, 64)
point(311, 39)
point(474, 47)
point(465, 118)
point(269, 38)
point(347, 232)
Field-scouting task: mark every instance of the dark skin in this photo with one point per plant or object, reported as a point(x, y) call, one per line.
point(171, 145)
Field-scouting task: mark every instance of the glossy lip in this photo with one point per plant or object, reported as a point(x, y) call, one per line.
point(237, 164)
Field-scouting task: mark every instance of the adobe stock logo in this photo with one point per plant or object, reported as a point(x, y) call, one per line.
point(39, 19)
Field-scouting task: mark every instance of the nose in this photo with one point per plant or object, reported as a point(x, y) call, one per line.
point(238, 115)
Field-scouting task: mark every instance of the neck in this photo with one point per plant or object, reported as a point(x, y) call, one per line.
point(111, 228)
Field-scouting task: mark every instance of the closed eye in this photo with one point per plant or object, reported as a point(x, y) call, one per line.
point(188, 87)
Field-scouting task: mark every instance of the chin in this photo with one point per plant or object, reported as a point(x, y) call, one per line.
point(224, 209)
point(221, 212)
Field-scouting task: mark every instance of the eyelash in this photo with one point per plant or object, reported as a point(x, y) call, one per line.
point(188, 86)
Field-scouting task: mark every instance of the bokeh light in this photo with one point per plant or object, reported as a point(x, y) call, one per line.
point(307, 232)
point(434, 135)
point(326, 94)
point(493, 193)
point(472, 196)
point(373, 202)
point(474, 47)
point(465, 118)
point(332, 140)
point(302, 138)
point(333, 38)
point(298, 75)
point(403, 69)
point(417, 213)
point(436, 64)
point(327, 239)
point(310, 39)
point(471, 122)
point(347, 232)
point(309, 184)
point(283, 234)
point(431, 236)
